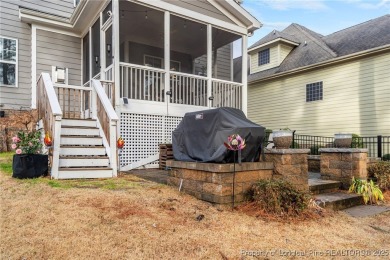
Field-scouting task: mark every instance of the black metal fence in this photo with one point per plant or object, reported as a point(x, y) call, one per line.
point(378, 146)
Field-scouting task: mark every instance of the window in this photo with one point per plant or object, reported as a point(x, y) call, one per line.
point(264, 57)
point(175, 65)
point(152, 61)
point(314, 91)
point(8, 62)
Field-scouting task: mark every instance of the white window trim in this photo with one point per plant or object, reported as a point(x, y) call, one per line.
point(269, 57)
point(176, 62)
point(13, 62)
point(323, 93)
point(154, 57)
point(162, 61)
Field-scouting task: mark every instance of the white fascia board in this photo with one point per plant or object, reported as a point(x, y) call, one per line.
point(239, 11)
point(271, 42)
point(28, 17)
point(225, 12)
point(183, 12)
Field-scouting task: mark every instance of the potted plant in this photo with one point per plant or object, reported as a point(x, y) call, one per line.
point(28, 162)
point(282, 138)
point(342, 140)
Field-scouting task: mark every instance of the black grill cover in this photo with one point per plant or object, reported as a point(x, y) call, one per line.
point(200, 136)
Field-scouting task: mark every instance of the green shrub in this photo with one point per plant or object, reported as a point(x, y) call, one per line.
point(357, 141)
point(294, 145)
point(380, 171)
point(386, 157)
point(278, 197)
point(370, 191)
point(314, 149)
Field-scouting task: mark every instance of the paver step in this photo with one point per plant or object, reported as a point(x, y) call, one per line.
point(338, 200)
point(318, 186)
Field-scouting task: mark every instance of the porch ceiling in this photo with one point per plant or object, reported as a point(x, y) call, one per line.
point(186, 36)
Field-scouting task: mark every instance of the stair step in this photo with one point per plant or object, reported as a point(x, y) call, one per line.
point(338, 200)
point(82, 150)
point(79, 122)
point(79, 130)
point(318, 186)
point(84, 173)
point(84, 161)
point(80, 140)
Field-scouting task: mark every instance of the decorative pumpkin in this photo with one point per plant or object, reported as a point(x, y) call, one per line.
point(47, 140)
point(120, 143)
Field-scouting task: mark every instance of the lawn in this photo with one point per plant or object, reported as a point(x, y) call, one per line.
point(128, 217)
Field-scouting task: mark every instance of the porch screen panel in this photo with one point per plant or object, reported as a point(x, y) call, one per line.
point(96, 48)
point(188, 64)
point(86, 69)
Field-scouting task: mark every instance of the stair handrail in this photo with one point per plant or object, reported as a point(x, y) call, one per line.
point(49, 111)
point(107, 117)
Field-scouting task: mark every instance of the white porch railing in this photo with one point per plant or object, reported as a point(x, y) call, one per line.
point(49, 111)
point(226, 94)
point(141, 82)
point(147, 83)
point(108, 72)
point(75, 101)
point(188, 89)
point(107, 117)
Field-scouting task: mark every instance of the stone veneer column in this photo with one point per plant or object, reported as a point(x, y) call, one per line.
point(341, 164)
point(290, 165)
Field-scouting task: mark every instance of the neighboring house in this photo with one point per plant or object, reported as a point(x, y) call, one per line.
point(122, 67)
point(321, 85)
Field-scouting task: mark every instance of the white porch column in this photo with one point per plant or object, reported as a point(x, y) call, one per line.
point(244, 74)
point(209, 62)
point(102, 49)
point(116, 52)
point(167, 54)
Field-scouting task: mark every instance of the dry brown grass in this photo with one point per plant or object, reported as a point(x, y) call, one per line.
point(148, 220)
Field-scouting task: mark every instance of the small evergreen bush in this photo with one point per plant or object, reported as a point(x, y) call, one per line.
point(380, 172)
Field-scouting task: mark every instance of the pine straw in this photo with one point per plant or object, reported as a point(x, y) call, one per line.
point(155, 221)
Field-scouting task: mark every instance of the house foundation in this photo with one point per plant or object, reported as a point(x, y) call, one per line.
point(213, 182)
point(290, 165)
point(341, 164)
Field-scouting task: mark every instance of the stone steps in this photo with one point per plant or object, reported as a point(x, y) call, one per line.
point(318, 186)
point(338, 200)
point(328, 195)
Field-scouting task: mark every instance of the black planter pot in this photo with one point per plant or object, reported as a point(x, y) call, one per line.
point(29, 165)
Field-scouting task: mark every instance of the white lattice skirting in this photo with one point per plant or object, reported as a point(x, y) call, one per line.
point(143, 134)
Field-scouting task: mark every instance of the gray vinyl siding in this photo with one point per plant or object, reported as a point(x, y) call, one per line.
point(54, 49)
point(356, 98)
point(57, 7)
point(222, 66)
point(201, 6)
point(11, 26)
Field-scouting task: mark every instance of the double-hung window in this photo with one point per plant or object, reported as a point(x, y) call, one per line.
point(263, 57)
point(8, 62)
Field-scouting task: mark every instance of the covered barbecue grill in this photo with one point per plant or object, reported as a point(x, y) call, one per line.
point(200, 136)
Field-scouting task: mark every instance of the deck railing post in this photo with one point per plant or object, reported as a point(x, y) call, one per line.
point(379, 143)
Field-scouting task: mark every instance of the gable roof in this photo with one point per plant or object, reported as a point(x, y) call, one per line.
point(315, 48)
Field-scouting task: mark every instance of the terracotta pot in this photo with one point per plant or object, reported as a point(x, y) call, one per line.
point(282, 139)
point(343, 140)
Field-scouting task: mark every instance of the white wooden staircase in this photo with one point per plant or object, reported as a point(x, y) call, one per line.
point(82, 153)
point(84, 143)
